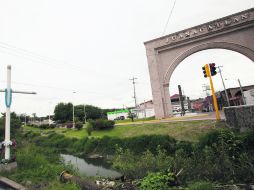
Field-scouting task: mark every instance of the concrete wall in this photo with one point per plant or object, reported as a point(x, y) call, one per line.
point(240, 117)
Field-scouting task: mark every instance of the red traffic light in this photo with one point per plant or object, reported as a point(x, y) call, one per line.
point(213, 69)
point(212, 64)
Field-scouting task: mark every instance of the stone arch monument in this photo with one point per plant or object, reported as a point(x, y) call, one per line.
point(234, 32)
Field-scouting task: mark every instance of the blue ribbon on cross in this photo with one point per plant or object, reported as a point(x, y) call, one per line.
point(8, 97)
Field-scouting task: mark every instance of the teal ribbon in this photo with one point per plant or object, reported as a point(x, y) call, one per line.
point(8, 101)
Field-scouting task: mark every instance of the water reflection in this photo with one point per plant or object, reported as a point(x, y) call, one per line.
point(91, 167)
point(5, 187)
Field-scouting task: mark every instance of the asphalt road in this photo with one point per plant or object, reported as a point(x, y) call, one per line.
point(198, 116)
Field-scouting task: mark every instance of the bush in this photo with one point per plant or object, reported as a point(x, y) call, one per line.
point(79, 125)
point(134, 166)
point(157, 181)
point(202, 186)
point(89, 128)
point(102, 124)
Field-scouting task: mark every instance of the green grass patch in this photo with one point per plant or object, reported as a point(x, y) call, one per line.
point(181, 130)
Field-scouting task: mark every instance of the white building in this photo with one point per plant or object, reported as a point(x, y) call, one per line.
point(118, 114)
point(249, 96)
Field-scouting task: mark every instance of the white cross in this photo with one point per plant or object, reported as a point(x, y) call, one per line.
point(8, 99)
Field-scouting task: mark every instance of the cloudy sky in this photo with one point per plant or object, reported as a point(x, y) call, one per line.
point(94, 47)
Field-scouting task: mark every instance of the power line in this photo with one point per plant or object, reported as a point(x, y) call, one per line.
point(32, 56)
point(169, 16)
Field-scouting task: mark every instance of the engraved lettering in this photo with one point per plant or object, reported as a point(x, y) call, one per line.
point(245, 16)
point(210, 27)
point(236, 19)
point(187, 34)
point(201, 29)
point(217, 25)
point(227, 22)
point(195, 32)
point(181, 36)
point(173, 38)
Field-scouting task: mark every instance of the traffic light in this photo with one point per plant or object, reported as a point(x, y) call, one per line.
point(212, 69)
point(206, 70)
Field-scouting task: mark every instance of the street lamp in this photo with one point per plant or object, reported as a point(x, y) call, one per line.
point(241, 89)
point(73, 117)
point(226, 93)
point(85, 112)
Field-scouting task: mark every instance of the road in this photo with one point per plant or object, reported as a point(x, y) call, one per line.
point(198, 116)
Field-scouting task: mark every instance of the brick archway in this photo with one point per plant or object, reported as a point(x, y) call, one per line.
point(234, 32)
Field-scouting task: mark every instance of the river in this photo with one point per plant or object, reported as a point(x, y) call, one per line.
point(91, 166)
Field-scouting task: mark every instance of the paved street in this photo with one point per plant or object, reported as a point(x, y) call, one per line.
point(198, 116)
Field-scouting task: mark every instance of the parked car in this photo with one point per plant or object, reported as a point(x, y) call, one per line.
point(120, 118)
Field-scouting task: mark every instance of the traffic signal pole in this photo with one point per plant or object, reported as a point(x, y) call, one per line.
point(213, 93)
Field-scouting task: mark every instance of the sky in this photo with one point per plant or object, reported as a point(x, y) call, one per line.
point(94, 48)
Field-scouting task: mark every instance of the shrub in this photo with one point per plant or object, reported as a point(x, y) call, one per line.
point(89, 128)
point(157, 181)
point(134, 166)
point(102, 124)
point(79, 125)
point(202, 186)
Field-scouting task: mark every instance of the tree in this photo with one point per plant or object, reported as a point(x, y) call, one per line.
point(93, 112)
point(79, 112)
point(15, 124)
point(63, 112)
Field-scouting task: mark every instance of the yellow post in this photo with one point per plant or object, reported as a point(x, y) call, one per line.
point(208, 73)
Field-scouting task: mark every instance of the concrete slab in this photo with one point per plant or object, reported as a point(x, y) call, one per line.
point(8, 166)
point(11, 183)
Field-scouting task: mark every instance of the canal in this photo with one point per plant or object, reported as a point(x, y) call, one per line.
point(91, 166)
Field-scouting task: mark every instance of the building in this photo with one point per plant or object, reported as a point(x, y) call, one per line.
point(235, 95)
point(145, 109)
point(176, 104)
point(118, 114)
point(249, 97)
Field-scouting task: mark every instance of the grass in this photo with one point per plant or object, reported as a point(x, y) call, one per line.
point(181, 130)
point(135, 120)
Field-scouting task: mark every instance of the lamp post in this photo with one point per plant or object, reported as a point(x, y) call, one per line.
point(225, 90)
point(73, 117)
point(85, 112)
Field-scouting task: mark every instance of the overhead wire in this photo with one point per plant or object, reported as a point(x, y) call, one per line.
point(169, 16)
point(32, 56)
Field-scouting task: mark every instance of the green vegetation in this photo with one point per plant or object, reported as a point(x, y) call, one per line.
point(202, 185)
point(221, 156)
point(102, 124)
point(39, 167)
point(185, 130)
point(136, 120)
point(157, 181)
point(149, 154)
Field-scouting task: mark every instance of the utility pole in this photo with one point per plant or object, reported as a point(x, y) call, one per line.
point(135, 98)
point(8, 100)
point(225, 90)
point(181, 100)
point(85, 112)
point(145, 108)
point(73, 117)
point(206, 90)
point(244, 102)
